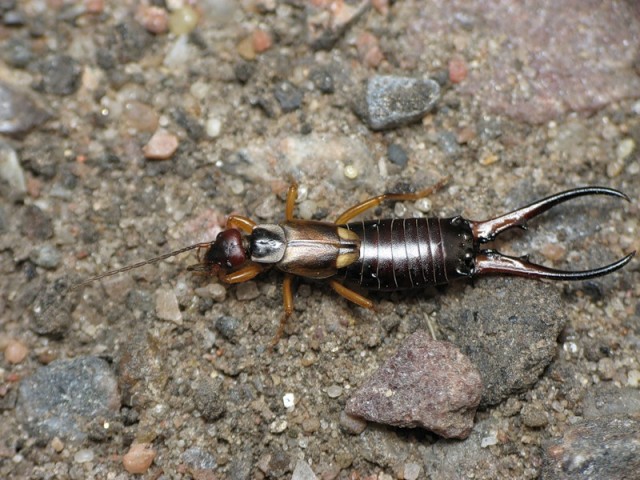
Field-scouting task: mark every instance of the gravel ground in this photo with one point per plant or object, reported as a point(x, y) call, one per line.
point(126, 131)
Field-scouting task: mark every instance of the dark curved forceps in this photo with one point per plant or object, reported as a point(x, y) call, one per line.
point(491, 261)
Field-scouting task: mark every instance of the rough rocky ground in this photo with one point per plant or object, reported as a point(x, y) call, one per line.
point(536, 97)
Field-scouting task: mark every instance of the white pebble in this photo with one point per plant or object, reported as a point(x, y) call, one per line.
point(11, 170)
point(625, 148)
point(278, 426)
point(489, 440)
point(351, 172)
point(167, 306)
point(423, 205)
point(399, 210)
point(247, 291)
point(236, 185)
point(213, 127)
point(289, 400)
point(334, 391)
point(83, 456)
point(303, 472)
point(633, 378)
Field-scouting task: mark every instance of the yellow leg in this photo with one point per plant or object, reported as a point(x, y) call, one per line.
point(292, 195)
point(375, 201)
point(351, 295)
point(242, 223)
point(243, 275)
point(287, 295)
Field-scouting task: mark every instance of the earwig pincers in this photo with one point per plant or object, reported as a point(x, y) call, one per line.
point(383, 255)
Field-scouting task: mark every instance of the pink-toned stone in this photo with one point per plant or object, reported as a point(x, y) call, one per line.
point(262, 41)
point(139, 458)
point(428, 384)
point(161, 146)
point(369, 50)
point(457, 70)
point(153, 19)
point(15, 352)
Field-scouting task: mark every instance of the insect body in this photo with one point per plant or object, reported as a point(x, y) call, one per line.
point(386, 254)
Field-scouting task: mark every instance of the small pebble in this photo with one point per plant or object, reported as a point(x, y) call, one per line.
point(633, 378)
point(262, 41)
point(553, 251)
point(289, 400)
point(606, 368)
point(15, 352)
point(153, 19)
point(94, 6)
point(323, 81)
point(334, 391)
point(141, 117)
point(228, 327)
point(457, 70)
point(201, 463)
point(389, 101)
point(83, 456)
point(533, 416)
point(278, 426)
point(625, 148)
point(412, 471)
point(489, 159)
point(369, 51)
point(397, 155)
point(60, 74)
point(18, 112)
point(183, 20)
point(303, 471)
point(245, 48)
point(289, 96)
point(351, 172)
point(489, 440)
point(213, 127)
point(247, 291)
point(218, 292)
point(448, 142)
point(161, 145)
point(423, 205)
point(167, 306)
point(47, 256)
point(57, 444)
point(236, 186)
point(178, 55)
point(351, 424)
point(139, 458)
point(311, 425)
point(10, 169)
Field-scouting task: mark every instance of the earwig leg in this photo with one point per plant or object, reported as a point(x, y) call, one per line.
point(243, 275)
point(351, 295)
point(375, 201)
point(287, 295)
point(242, 223)
point(292, 195)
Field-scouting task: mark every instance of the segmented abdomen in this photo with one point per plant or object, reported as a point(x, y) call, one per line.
point(398, 254)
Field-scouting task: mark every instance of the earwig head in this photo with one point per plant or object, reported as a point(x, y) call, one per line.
point(227, 251)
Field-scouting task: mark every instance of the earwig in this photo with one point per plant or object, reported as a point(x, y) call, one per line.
point(377, 255)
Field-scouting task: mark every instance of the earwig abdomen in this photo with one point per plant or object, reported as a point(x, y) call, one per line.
point(406, 253)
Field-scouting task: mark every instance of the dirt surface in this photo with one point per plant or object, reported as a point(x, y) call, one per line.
point(534, 100)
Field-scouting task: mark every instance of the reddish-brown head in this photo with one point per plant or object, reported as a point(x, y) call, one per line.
point(227, 252)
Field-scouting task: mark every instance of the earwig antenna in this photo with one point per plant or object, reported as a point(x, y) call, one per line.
point(139, 264)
